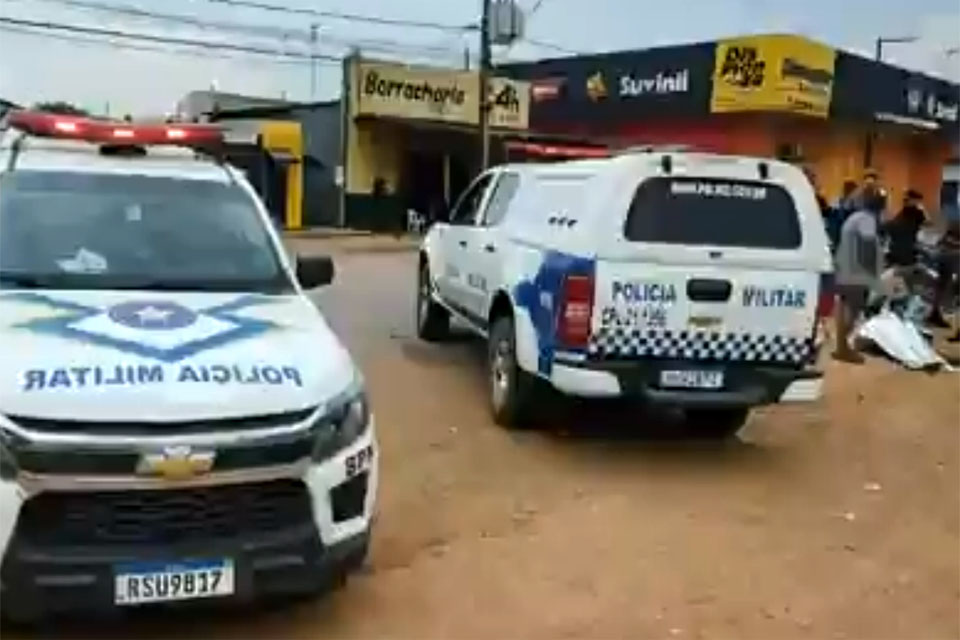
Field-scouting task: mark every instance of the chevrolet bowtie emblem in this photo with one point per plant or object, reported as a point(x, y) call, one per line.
point(176, 463)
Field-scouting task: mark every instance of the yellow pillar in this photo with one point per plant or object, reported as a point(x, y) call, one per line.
point(294, 208)
point(279, 136)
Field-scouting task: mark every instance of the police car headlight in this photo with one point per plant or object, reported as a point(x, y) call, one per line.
point(347, 419)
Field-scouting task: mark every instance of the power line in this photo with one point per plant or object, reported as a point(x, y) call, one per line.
point(189, 42)
point(301, 36)
point(550, 45)
point(137, 12)
point(336, 15)
point(97, 41)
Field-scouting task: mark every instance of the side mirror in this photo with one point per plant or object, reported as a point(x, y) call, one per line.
point(314, 271)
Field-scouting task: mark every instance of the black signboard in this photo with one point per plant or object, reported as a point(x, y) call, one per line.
point(868, 90)
point(610, 89)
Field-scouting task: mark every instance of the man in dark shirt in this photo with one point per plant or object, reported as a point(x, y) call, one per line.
point(902, 231)
point(948, 263)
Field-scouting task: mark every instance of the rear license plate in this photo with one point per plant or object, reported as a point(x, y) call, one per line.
point(691, 379)
point(146, 582)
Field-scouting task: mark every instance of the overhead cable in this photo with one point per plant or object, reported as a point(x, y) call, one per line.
point(146, 37)
point(337, 15)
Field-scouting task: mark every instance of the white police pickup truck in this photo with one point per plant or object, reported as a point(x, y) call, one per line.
point(177, 421)
point(690, 280)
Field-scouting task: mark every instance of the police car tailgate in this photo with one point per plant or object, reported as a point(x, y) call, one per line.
point(707, 269)
point(699, 312)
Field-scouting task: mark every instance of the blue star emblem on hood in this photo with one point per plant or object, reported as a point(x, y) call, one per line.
point(157, 329)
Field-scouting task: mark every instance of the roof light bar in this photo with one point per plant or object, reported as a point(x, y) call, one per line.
point(50, 125)
point(65, 126)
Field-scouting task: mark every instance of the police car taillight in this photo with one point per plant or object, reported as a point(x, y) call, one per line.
point(576, 311)
point(50, 125)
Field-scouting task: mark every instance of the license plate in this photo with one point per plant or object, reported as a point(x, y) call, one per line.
point(691, 379)
point(146, 582)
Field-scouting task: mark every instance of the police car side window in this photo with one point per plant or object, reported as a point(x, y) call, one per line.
point(465, 211)
point(499, 202)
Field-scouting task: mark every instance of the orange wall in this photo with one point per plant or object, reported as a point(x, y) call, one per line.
point(832, 150)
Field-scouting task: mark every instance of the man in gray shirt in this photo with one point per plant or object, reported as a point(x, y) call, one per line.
point(859, 262)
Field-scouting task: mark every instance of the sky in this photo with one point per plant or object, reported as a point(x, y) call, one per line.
point(152, 78)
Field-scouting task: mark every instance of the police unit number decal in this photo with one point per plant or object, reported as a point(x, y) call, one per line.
point(639, 304)
point(359, 461)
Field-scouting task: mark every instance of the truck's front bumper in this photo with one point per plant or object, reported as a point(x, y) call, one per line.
point(40, 581)
point(745, 385)
point(291, 529)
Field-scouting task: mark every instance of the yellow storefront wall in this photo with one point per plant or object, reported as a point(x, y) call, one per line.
point(375, 150)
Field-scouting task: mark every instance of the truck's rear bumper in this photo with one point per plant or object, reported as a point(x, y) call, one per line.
point(746, 385)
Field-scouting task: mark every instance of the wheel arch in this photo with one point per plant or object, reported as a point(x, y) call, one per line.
point(525, 340)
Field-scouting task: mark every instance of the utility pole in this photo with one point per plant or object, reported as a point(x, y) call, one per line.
point(878, 56)
point(484, 76)
point(314, 29)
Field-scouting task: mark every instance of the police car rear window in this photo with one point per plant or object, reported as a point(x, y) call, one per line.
point(704, 211)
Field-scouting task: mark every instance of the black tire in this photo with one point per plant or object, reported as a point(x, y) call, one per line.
point(512, 390)
point(718, 424)
point(433, 321)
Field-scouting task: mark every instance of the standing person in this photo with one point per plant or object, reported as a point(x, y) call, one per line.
point(847, 203)
point(902, 231)
point(829, 214)
point(948, 262)
point(845, 206)
point(383, 204)
point(858, 266)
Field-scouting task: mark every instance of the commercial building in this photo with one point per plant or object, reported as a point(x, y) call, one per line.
point(411, 137)
point(290, 151)
point(776, 95)
point(405, 137)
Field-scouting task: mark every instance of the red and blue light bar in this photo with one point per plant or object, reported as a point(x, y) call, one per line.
point(51, 125)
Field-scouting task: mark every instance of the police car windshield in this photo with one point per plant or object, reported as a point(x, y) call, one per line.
point(106, 231)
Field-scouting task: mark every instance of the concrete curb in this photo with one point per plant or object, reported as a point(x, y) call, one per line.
point(373, 248)
point(326, 232)
point(353, 243)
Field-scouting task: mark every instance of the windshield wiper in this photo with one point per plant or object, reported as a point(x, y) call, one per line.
point(258, 286)
point(26, 281)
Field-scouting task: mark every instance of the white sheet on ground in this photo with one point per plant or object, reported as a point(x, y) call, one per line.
point(900, 340)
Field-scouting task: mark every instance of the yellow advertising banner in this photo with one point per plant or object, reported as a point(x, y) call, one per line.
point(418, 93)
point(783, 73)
point(384, 89)
point(509, 103)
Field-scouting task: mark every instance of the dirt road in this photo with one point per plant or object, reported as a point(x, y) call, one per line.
point(838, 520)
